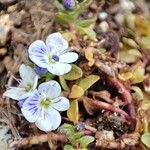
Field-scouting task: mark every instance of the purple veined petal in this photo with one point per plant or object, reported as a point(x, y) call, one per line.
point(30, 108)
point(40, 71)
point(56, 43)
point(23, 98)
point(55, 118)
point(68, 57)
point(38, 53)
point(50, 89)
point(14, 92)
point(59, 68)
point(61, 103)
point(27, 73)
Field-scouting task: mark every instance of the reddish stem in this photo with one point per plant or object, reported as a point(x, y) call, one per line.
point(106, 106)
point(126, 96)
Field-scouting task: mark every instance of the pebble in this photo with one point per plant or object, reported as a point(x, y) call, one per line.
point(7, 2)
point(127, 5)
point(104, 26)
point(3, 51)
point(12, 8)
point(5, 27)
point(103, 16)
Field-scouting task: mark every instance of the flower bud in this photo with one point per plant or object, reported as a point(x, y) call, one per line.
point(69, 4)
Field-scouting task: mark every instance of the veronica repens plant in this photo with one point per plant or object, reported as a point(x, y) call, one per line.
point(41, 102)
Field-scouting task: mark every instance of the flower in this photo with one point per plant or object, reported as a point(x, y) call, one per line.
point(43, 106)
point(27, 84)
point(69, 4)
point(53, 55)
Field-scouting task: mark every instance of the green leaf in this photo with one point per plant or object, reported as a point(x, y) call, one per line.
point(76, 92)
point(74, 74)
point(145, 138)
point(88, 81)
point(63, 83)
point(85, 141)
point(65, 18)
point(49, 76)
point(86, 22)
point(73, 111)
point(83, 5)
point(59, 5)
point(145, 43)
point(138, 75)
point(68, 147)
point(87, 31)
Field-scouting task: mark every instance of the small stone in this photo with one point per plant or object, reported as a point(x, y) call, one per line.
point(119, 18)
point(11, 8)
point(127, 6)
point(103, 15)
point(5, 27)
point(3, 51)
point(9, 64)
point(7, 2)
point(104, 26)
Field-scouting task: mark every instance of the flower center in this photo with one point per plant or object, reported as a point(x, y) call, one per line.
point(51, 60)
point(28, 87)
point(46, 103)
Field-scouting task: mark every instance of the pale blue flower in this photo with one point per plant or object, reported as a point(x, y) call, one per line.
point(27, 84)
point(54, 55)
point(43, 106)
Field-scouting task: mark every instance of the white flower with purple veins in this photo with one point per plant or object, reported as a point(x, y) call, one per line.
point(27, 84)
point(52, 55)
point(43, 106)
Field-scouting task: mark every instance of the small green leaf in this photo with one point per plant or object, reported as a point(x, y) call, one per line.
point(138, 74)
point(138, 91)
point(87, 31)
point(49, 76)
point(59, 5)
point(145, 43)
point(74, 74)
point(76, 92)
point(73, 111)
point(65, 17)
point(88, 81)
point(86, 22)
point(85, 141)
point(68, 147)
point(63, 83)
point(145, 138)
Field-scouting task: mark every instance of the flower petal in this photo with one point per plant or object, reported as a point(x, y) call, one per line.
point(61, 103)
point(59, 68)
point(31, 109)
point(44, 123)
point(40, 71)
point(50, 89)
point(68, 57)
point(55, 118)
point(23, 98)
point(27, 73)
point(38, 53)
point(56, 43)
point(14, 92)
